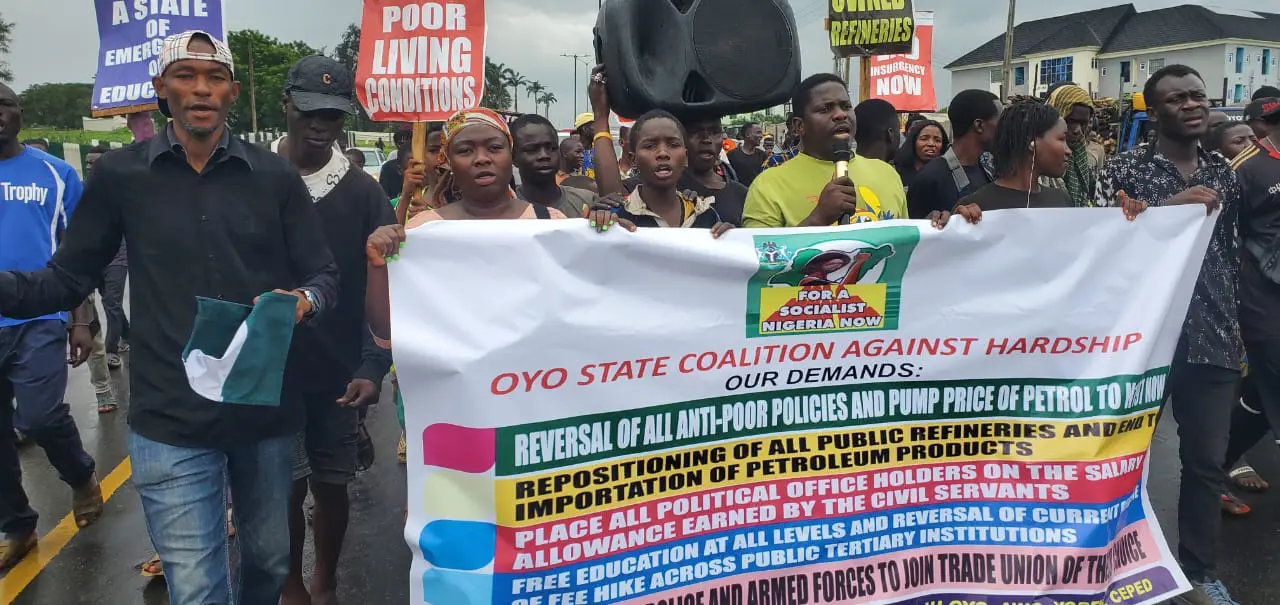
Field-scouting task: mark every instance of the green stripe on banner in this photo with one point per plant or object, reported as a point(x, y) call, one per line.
point(863, 405)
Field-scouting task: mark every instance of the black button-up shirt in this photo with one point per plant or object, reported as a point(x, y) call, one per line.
point(1211, 333)
point(244, 226)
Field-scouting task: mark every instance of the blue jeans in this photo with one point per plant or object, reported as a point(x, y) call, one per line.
point(184, 499)
point(33, 368)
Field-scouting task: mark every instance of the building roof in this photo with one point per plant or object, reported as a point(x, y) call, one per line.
point(1188, 24)
point(1090, 28)
point(1122, 28)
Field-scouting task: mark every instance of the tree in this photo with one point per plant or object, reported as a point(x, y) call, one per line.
point(546, 99)
point(347, 52)
point(6, 35)
point(515, 80)
point(56, 105)
point(271, 62)
point(535, 89)
point(496, 96)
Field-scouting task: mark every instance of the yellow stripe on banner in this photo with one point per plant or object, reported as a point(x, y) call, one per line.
point(556, 495)
point(12, 584)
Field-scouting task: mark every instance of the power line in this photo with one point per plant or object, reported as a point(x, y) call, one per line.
point(809, 10)
point(817, 9)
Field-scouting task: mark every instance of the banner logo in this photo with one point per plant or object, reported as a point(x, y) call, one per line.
point(832, 282)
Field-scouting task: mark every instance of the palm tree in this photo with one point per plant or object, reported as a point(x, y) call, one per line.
point(546, 99)
point(496, 95)
point(535, 89)
point(515, 80)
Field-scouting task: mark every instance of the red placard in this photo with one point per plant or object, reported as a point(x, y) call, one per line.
point(420, 61)
point(907, 80)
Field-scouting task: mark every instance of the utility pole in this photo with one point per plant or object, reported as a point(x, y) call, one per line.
point(576, 59)
point(253, 97)
point(1006, 87)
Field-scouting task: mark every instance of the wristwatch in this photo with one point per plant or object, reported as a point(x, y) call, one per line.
point(312, 301)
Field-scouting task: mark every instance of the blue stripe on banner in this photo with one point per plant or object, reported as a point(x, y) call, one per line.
point(448, 587)
point(876, 531)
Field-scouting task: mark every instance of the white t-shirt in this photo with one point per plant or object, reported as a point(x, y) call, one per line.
point(322, 181)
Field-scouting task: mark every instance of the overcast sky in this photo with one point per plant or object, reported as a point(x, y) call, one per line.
point(56, 40)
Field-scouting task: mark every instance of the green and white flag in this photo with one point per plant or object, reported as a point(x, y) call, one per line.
point(237, 353)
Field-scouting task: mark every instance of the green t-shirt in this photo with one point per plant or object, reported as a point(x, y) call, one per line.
point(785, 195)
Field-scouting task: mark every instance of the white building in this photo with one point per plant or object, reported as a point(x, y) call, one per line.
point(1112, 51)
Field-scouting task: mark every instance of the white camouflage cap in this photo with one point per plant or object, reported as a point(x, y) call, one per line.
point(176, 48)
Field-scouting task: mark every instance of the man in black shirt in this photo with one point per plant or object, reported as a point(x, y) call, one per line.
point(112, 287)
point(1263, 116)
point(207, 216)
point(343, 368)
point(392, 175)
point(748, 158)
point(974, 115)
point(1259, 172)
point(706, 175)
point(1204, 377)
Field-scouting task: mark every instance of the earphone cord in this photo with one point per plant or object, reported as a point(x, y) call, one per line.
point(1031, 177)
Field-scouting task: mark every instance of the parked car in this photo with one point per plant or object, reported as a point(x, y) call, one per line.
point(373, 159)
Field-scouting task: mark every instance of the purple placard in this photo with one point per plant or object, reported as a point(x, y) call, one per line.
point(129, 36)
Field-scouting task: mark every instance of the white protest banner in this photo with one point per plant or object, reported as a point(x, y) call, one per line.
point(881, 414)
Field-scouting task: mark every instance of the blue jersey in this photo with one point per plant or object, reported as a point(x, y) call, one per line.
point(38, 192)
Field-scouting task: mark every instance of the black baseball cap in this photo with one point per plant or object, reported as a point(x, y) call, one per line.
point(1262, 109)
point(318, 82)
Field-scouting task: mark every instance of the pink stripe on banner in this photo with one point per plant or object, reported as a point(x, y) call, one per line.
point(865, 572)
point(458, 447)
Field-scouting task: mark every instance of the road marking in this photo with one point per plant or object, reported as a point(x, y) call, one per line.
point(53, 542)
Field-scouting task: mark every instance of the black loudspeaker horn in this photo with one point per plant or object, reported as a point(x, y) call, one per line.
point(698, 57)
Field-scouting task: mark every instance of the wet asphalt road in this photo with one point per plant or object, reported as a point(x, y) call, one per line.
point(99, 566)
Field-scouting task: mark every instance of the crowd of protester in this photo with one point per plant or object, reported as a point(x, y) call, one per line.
point(303, 219)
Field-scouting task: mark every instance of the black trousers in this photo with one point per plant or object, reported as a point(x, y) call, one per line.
point(1202, 399)
point(1261, 393)
point(113, 303)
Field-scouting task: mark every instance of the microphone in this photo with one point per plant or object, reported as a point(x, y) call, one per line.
point(840, 150)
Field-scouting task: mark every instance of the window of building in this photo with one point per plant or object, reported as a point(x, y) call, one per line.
point(1126, 71)
point(1019, 76)
point(1239, 96)
point(1053, 71)
point(997, 75)
point(1266, 61)
point(1156, 65)
point(1239, 59)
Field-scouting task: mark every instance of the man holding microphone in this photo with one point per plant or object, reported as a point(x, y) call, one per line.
point(803, 192)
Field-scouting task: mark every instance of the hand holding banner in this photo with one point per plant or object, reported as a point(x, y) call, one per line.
point(885, 414)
